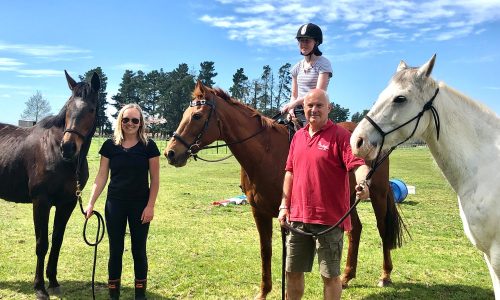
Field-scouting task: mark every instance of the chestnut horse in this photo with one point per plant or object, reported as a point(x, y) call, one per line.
point(39, 165)
point(261, 147)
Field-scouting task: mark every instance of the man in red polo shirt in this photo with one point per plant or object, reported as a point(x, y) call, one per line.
point(316, 195)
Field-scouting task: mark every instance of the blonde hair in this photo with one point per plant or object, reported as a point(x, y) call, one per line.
point(141, 133)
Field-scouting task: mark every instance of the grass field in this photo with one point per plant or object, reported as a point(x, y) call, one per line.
point(200, 251)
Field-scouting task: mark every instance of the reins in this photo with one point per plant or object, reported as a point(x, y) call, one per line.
point(190, 147)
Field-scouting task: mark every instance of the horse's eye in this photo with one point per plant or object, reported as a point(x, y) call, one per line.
point(196, 116)
point(400, 99)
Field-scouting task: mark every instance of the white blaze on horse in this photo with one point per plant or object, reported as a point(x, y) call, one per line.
point(462, 135)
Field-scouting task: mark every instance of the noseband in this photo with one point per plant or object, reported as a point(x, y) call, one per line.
point(191, 151)
point(428, 106)
point(83, 137)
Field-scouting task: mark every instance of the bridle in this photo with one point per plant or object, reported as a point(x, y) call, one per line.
point(190, 148)
point(429, 105)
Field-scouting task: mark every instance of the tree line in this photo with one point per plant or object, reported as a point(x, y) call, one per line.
point(163, 96)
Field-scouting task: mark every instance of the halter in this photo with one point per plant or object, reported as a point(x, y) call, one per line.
point(427, 106)
point(83, 137)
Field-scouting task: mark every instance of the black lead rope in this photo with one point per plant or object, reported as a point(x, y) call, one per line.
point(98, 237)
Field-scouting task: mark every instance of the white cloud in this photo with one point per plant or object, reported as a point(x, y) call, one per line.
point(366, 24)
point(356, 26)
point(131, 66)
point(9, 62)
point(39, 73)
point(41, 50)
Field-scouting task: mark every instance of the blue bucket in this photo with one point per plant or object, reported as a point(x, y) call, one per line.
point(399, 190)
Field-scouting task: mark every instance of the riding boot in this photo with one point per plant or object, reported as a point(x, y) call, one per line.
point(140, 289)
point(114, 289)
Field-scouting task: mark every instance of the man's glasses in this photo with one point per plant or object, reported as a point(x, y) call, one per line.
point(134, 120)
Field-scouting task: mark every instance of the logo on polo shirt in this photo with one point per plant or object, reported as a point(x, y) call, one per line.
point(322, 147)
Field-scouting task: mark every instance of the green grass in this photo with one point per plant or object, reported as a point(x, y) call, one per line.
point(199, 251)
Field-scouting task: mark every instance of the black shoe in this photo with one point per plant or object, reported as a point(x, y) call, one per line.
point(114, 289)
point(140, 289)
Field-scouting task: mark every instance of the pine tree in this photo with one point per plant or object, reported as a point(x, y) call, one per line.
point(207, 72)
point(240, 89)
point(102, 103)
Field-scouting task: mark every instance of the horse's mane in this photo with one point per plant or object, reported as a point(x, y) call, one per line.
point(478, 106)
point(252, 112)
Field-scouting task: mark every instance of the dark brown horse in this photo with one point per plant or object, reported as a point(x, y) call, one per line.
point(39, 165)
point(261, 147)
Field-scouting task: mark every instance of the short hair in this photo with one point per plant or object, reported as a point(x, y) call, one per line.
point(323, 93)
point(141, 133)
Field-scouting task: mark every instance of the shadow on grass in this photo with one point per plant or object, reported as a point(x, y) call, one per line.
point(75, 290)
point(437, 291)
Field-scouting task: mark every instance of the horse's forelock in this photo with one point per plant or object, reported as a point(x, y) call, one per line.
point(409, 77)
point(82, 89)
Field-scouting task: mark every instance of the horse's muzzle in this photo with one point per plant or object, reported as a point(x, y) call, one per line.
point(68, 150)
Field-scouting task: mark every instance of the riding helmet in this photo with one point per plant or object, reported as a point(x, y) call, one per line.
point(311, 31)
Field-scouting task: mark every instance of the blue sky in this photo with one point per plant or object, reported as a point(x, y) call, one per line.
point(364, 40)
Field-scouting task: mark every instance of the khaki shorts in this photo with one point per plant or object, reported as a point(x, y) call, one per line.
point(301, 250)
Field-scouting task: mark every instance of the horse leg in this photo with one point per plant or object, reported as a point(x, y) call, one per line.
point(41, 210)
point(494, 269)
point(265, 228)
point(353, 236)
point(382, 214)
point(63, 212)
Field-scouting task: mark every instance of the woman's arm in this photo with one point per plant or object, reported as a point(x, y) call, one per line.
point(154, 177)
point(99, 184)
point(323, 80)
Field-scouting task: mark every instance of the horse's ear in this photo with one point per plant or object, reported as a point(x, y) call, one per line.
point(426, 69)
point(95, 82)
point(200, 89)
point(402, 65)
point(71, 81)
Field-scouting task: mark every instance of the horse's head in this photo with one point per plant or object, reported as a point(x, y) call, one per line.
point(197, 128)
point(81, 113)
point(399, 113)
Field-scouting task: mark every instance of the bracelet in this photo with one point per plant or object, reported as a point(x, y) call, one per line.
point(283, 207)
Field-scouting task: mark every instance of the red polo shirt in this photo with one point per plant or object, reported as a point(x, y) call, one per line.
point(320, 165)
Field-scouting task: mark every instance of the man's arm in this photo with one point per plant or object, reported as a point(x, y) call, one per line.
point(285, 199)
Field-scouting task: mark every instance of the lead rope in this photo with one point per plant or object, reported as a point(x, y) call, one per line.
point(99, 235)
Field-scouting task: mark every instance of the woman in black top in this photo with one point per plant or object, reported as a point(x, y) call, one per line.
point(131, 157)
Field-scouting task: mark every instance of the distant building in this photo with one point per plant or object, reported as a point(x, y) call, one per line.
point(25, 123)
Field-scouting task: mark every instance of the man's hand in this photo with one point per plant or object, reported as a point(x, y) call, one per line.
point(363, 190)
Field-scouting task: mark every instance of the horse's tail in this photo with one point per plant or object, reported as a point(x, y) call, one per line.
point(395, 228)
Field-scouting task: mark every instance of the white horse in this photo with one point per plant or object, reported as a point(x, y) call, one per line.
point(462, 135)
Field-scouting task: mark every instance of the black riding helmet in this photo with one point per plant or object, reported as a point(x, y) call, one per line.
point(311, 31)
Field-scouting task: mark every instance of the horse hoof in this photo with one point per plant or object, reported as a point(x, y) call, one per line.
point(384, 282)
point(259, 296)
point(54, 291)
point(41, 295)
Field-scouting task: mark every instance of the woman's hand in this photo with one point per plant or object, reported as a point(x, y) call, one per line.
point(89, 211)
point(147, 214)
